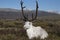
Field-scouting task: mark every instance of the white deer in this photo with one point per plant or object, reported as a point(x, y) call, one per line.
point(32, 31)
point(35, 32)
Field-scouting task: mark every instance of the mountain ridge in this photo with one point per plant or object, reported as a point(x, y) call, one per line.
point(9, 13)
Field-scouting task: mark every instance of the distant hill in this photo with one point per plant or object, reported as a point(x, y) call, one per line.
point(8, 13)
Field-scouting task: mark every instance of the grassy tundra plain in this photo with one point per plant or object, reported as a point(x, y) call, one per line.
point(13, 29)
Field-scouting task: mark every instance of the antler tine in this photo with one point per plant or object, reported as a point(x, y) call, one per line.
point(22, 7)
point(32, 15)
point(27, 15)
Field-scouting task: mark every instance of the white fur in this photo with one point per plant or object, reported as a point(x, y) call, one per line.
point(35, 32)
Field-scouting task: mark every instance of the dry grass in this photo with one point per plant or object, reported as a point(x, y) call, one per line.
point(13, 30)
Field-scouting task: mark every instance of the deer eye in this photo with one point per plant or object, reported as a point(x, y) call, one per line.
point(29, 23)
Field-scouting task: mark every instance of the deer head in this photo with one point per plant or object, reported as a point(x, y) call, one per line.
point(26, 18)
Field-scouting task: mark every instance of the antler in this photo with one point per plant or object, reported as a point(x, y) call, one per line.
point(36, 11)
point(25, 18)
point(22, 7)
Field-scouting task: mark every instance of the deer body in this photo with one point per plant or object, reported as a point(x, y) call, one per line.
point(35, 32)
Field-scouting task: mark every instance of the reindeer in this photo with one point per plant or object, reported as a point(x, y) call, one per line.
point(32, 31)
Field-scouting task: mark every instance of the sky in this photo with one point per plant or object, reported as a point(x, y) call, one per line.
point(46, 5)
